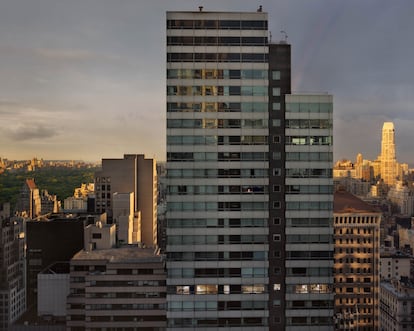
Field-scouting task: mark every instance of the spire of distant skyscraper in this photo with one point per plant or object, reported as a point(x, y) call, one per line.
point(388, 161)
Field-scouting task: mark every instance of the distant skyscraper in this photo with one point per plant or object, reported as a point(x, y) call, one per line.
point(388, 161)
point(249, 177)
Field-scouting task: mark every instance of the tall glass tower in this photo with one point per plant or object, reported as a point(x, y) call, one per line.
point(227, 162)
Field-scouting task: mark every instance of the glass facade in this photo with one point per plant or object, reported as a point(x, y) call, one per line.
point(217, 171)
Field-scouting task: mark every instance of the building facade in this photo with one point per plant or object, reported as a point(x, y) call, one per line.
point(117, 289)
point(356, 268)
point(12, 270)
point(230, 222)
point(388, 160)
point(132, 174)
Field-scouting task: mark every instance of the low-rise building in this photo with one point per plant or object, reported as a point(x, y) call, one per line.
point(118, 288)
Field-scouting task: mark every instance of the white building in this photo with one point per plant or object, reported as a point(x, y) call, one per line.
point(401, 195)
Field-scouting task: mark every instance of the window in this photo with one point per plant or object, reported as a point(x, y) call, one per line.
point(275, 106)
point(276, 122)
point(276, 139)
point(276, 204)
point(96, 235)
point(276, 188)
point(275, 75)
point(276, 91)
point(277, 172)
point(276, 237)
point(276, 287)
point(276, 221)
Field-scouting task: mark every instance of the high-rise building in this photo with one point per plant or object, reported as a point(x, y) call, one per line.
point(249, 181)
point(132, 174)
point(357, 263)
point(388, 161)
point(12, 270)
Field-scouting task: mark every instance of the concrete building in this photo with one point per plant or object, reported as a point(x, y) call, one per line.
point(52, 290)
point(132, 174)
point(51, 240)
point(230, 223)
point(117, 288)
point(397, 306)
point(12, 270)
point(356, 268)
point(29, 203)
point(403, 197)
point(395, 265)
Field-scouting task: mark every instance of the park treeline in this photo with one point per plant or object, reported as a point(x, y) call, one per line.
point(59, 181)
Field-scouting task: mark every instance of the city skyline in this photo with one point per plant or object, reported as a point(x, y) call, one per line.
point(76, 82)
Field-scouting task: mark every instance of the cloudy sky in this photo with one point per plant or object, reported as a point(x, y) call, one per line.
point(85, 79)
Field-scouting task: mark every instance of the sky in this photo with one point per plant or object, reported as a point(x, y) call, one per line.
point(85, 79)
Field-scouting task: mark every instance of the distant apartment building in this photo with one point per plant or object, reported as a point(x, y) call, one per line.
point(397, 305)
point(395, 265)
point(29, 203)
point(402, 196)
point(12, 270)
point(81, 200)
point(356, 268)
point(117, 289)
point(132, 174)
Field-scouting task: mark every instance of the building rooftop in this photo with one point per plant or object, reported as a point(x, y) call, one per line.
point(121, 254)
point(345, 202)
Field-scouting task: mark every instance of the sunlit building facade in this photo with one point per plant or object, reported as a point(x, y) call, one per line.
point(357, 267)
point(388, 160)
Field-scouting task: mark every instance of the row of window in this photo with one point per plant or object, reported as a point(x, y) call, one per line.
point(313, 304)
point(221, 156)
point(125, 306)
point(214, 239)
point(217, 289)
point(309, 288)
point(217, 173)
point(217, 223)
point(215, 41)
point(308, 173)
point(216, 140)
point(309, 156)
point(217, 256)
point(309, 189)
point(218, 24)
point(308, 107)
point(216, 272)
point(309, 239)
point(217, 206)
point(125, 295)
point(309, 255)
point(309, 222)
point(308, 124)
point(212, 123)
point(216, 305)
point(213, 189)
point(214, 90)
point(309, 140)
point(309, 205)
point(226, 322)
point(309, 272)
point(218, 57)
point(214, 107)
point(219, 74)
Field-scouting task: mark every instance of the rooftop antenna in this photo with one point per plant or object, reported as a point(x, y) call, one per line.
point(283, 32)
point(259, 10)
point(200, 8)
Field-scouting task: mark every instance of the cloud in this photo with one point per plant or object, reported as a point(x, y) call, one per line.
point(72, 54)
point(26, 131)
